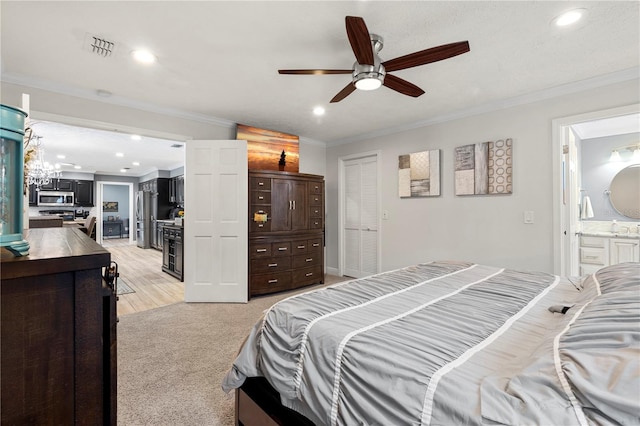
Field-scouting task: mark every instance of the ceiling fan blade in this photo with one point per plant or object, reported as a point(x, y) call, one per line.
point(402, 86)
point(314, 72)
point(360, 40)
point(427, 56)
point(349, 88)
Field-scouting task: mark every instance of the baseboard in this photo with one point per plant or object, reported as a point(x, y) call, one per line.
point(332, 271)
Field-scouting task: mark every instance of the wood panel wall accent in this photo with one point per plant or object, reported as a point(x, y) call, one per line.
point(265, 148)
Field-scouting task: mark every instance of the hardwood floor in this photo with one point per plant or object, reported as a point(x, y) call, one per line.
point(141, 269)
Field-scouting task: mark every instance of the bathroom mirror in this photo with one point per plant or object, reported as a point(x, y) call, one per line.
point(625, 192)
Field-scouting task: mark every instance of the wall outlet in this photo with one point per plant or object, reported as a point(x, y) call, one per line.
point(385, 214)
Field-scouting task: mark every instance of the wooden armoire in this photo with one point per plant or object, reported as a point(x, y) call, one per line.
point(286, 231)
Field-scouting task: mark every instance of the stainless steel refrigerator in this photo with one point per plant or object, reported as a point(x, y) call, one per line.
point(143, 219)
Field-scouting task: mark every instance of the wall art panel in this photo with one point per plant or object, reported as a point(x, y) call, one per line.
point(484, 168)
point(419, 174)
point(269, 150)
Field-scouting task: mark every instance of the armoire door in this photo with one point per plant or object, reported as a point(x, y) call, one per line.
point(299, 206)
point(280, 205)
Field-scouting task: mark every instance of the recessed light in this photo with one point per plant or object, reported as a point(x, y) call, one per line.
point(136, 163)
point(143, 56)
point(77, 167)
point(123, 170)
point(60, 156)
point(569, 17)
point(136, 137)
point(119, 154)
point(318, 110)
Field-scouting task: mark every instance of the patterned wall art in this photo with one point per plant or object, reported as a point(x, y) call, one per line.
point(269, 150)
point(419, 174)
point(484, 168)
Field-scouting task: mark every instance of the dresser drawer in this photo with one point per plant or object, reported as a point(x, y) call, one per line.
point(593, 256)
point(315, 244)
point(315, 223)
point(315, 188)
point(260, 184)
point(315, 211)
point(315, 200)
point(306, 260)
point(259, 250)
point(308, 276)
point(260, 197)
point(299, 246)
point(260, 226)
point(270, 264)
point(281, 249)
point(269, 283)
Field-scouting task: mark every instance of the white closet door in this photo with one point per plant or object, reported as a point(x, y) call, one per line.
point(360, 217)
point(215, 227)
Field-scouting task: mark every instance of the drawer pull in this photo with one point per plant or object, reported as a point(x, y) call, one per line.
point(308, 274)
point(300, 247)
point(260, 225)
point(272, 265)
point(309, 259)
point(272, 281)
point(316, 244)
point(261, 250)
point(260, 197)
point(315, 223)
point(260, 183)
point(591, 257)
point(282, 249)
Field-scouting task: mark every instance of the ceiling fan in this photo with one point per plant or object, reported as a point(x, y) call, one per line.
point(369, 72)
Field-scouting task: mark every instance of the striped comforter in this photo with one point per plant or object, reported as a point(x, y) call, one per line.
point(450, 343)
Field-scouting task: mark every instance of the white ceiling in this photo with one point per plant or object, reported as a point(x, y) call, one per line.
point(218, 61)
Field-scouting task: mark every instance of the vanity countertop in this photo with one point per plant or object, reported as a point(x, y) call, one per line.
point(633, 235)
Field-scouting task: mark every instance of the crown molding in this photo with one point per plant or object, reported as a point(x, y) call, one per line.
point(554, 92)
point(113, 100)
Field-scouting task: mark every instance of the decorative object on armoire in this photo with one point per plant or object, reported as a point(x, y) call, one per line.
point(286, 231)
point(265, 147)
point(12, 181)
point(283, 161)
point(419, 174)
point(484, 168)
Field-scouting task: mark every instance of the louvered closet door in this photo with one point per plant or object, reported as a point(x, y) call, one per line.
point(360, 210)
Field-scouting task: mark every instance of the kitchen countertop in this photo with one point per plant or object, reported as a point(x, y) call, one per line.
point(633, 235)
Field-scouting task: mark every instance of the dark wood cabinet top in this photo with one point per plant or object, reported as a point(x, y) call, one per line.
point(54, 250)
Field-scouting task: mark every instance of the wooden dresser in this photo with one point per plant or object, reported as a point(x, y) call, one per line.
point(58, 353)
point(286, 231)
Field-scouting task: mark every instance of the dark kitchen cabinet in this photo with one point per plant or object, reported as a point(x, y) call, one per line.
point(83, 190)
point(59, 185)
point(176, 190)
point(33, 195)
point(172, 251)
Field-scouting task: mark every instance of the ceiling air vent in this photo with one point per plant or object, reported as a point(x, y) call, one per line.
point(99, 45)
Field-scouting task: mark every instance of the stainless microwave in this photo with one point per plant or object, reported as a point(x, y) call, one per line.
point(55, 199)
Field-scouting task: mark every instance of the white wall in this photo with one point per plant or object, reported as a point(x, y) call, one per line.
point(312, 154)
point(483, 229)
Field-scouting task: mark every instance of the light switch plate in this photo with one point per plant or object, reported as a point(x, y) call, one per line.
point(528, 216)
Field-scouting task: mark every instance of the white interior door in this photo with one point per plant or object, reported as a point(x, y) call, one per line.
point(360, 224)
point(215, 224)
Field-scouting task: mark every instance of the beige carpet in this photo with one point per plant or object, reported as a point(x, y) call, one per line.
point(171, 360)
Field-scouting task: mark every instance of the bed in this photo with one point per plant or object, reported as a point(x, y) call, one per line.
point(446, 343)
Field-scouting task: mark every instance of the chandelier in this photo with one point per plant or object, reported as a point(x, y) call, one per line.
point(38, 171)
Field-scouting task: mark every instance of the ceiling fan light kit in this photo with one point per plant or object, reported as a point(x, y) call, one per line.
point(369, 72)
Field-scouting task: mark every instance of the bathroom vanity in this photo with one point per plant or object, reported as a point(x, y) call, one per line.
point(600, 248)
